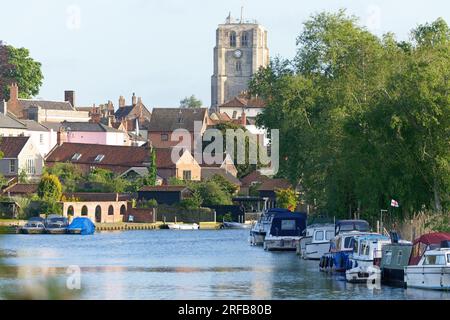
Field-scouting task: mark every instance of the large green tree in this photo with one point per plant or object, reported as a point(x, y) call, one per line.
point(16, 66)
point(191, 102)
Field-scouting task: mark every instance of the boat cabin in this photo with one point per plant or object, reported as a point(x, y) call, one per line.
point(369, 247)
point(290, 224)
point(351, 225)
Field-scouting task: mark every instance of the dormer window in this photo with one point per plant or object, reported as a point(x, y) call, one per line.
point(76, 157)
point(99, 158)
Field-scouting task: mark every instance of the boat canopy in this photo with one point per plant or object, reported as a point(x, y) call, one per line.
point(278, 211)
point(424, 242)
point(36, 219)
point(289, 224)
point(85, 224)
point(352, 225)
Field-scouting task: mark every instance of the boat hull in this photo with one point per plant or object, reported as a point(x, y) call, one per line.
point(433, 277)
point(32, 231)
point(393, 277)
point(363, 274)
point(257, 238)
point(314, 251)
point(284, 244)
point(74, 231)
point(335, 262)
point(56, 231)
point(184, 227)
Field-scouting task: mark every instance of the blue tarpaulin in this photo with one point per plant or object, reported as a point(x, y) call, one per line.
point(84, 224)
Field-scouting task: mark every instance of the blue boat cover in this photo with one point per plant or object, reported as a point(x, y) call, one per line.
point(85, 224)
point(288, 224)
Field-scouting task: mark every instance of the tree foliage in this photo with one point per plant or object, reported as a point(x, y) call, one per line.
point(16, 66)
point(362, 119)
point(286, 198)
point(191, 102)
point(49, 188)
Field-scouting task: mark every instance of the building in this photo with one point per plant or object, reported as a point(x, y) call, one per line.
point(92, 133)
point(164, 194)
point(241, 49)
point(43, 110)
point(268, 190)
point(21, 189)
point(20, 155)
point(254, 178)
point(135, 117)
point(118, 159)
point(165, 121)
point(44, 138)
point(184, 167)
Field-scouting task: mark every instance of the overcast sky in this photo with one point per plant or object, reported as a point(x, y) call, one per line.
point(163, 50)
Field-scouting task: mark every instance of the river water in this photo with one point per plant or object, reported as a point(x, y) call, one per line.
point(168, 264)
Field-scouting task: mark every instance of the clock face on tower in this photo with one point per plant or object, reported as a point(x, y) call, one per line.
point(237, 54)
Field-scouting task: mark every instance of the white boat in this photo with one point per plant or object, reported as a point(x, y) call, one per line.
point(432, 271)
point(183, 226)
point(236, 225)
point(260, 228)
point(365, 258)
point(316, 241)
point(285, 231)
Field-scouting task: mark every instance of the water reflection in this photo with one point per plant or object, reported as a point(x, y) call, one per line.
point(180, 265)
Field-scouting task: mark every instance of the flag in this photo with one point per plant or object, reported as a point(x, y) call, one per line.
point(394, 203)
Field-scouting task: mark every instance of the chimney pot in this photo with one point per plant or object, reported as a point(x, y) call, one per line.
point(121, 102)
point(133, 99)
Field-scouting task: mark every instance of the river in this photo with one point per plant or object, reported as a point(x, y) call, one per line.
point(168, 264)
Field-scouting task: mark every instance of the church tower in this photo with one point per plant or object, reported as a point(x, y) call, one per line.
point(241, 49)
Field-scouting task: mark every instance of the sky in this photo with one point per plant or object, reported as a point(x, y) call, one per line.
point(163, 50)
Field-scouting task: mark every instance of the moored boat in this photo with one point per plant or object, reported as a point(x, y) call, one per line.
point(365, 258)
point(183, 226)
point(432, 271)
point(236, 225)
point(398, 255)
point(35, 225)
point(82, 226)
point(56, 224)
point(316, 242)
point(260, 228)
point(285, 231)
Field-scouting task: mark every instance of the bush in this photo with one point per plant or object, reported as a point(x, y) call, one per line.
point(286, 198)
point(49, 188)
point(152, 203)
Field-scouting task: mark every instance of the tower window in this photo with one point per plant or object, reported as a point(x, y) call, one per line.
point(238, 66)
point(244, 39)
point(233, 39)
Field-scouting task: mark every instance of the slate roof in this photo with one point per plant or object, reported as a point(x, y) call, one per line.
point(21, 188)
point(10, 122)
point(164, 188)
point(48, 105)
point(12, 146)
point(170, 119)
point(209, 172)
point(34, 125)
point(87, 127)
point(132, 111)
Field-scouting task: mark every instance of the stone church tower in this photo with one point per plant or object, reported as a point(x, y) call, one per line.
point(241, 48)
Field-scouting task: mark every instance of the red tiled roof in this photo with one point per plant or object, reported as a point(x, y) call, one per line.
point(273, 184)
point(12, 146)
point(240, 101)
point(22, 188)
point(253, 177)
point(114, 155)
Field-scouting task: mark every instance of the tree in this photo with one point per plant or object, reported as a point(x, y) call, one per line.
point(211, 193)
point(191, 102)
point(69, 174)
point(286, 198)
point(150, 180)
point(49, 188)
point(102, 180)
point(16, 66)
point(224, 184)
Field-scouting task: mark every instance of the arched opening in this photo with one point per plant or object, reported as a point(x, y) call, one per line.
point(244, 39)
point(70, 211)
point(233, 39)
point(111, 210)
point(84, 211)
point(98, 214)
point(238, 66)
point(123, 210)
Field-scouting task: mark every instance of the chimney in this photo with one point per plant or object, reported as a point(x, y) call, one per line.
point(61, 137)
point(69, 96)
point(4, 108)
point(121, 102)
point(110, 107)
point(133, 100)
point(243, 118)
point(13, 92)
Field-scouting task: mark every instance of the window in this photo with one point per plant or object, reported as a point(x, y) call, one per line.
point(41, 138)
point(244, 39)
point(76, 157)
point(84, 211)
point(238, 66)
point(98, 214)
point(164, 137)
point(123, 210)
point(111, 211)
point(187, 175)
point(319, 235)
point(12, 165)
point(287, 224)
point(329, 235)
point(388, 256)
point(99, 158)
point(399, 257)
point(70, 211)
point(234, 114)
point(347, 242)
point(233, 39)
point(30, 167)
point(448, 258)
point(180, 120)
point(434, 260)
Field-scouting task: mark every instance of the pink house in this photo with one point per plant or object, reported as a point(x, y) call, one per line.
point(93, 133)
